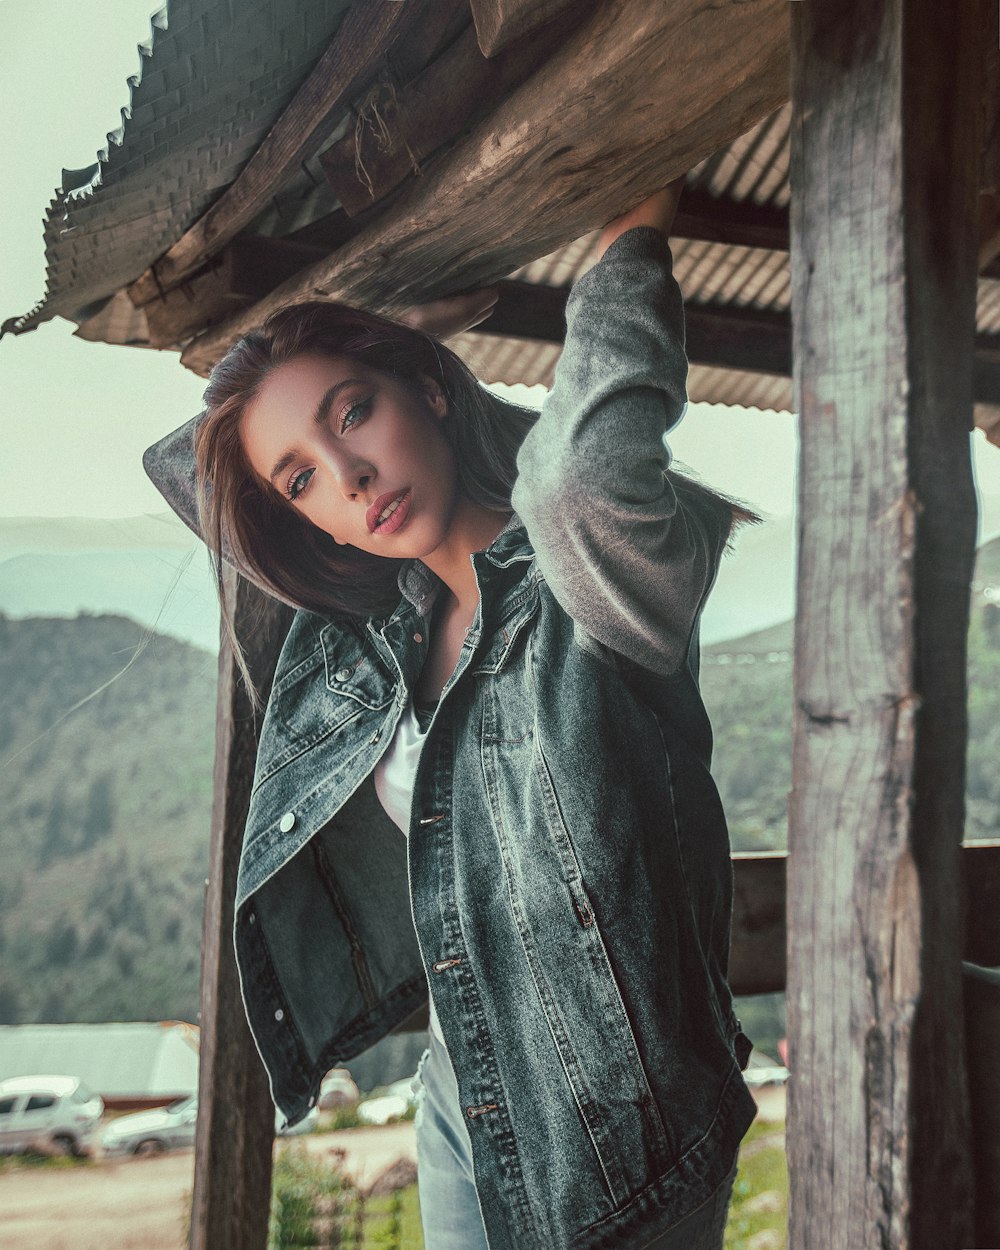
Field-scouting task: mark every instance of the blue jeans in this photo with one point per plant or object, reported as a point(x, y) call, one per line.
point(449, 1207)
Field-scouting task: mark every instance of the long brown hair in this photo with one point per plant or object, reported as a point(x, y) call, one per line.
point(250, 520)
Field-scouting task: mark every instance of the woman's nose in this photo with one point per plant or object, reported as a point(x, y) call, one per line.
point(352, 475)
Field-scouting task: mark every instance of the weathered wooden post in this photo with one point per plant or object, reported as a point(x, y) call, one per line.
point(235, 1134)
point(884, 174)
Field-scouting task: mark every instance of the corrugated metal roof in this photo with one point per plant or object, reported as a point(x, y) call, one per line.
point(214, 77)
point(213, 81)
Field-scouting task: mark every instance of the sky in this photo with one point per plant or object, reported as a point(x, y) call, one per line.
point(77, 416)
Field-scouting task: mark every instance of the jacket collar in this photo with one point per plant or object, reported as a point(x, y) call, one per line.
point(420, 586)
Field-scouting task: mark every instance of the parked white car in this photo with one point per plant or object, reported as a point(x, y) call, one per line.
point(50, 1114)
point(338, 1090)
point(395, 1101)
point(145, 1133)
point(152, 1132)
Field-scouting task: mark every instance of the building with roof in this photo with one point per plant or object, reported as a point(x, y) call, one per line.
point(131, 1065)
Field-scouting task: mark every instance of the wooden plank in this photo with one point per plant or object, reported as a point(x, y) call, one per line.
point(759, 942)
point(989, 174)
point(398, 128)
point(884, 163)
point(982, 1024)
point(233, 1143)
point(500, 23)
point(515, 189)
point(240, 275)
point(757, 954)
point(365, 35)
point(718, 336)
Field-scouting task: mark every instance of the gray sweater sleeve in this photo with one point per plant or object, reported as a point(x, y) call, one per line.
point(623, 546)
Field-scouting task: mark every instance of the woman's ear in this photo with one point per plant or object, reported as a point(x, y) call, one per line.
point(435, 395)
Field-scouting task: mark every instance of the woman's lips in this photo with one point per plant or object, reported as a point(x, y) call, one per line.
point(395, 519)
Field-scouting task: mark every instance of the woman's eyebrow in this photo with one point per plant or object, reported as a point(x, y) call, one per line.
point(319, 416)
point(323, 407)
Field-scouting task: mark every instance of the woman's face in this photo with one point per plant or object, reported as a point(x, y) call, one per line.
point(343, 442)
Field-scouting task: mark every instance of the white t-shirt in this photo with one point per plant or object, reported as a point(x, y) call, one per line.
point(394, 776)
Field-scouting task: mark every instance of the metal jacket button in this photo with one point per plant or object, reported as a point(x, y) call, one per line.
point(287, 822)
point(342, 674)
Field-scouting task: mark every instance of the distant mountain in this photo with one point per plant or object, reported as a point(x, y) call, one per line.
point(129, 567)
point(150, 568)
point(106, 750)
point(105, 786)
point(747, 686)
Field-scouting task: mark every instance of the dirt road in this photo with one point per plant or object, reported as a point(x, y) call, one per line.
point(140, 1204)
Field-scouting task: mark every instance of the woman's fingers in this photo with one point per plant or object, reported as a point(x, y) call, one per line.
point(452, 313)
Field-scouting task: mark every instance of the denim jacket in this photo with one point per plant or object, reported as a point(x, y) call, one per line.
point(566, 885)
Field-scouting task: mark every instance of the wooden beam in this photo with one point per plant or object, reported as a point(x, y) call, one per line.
point(244, 272)
point(398, 128)
point(515, 189)
point(718, 336)
point(712, 219)
point(982, 1023)
point(235, 1130)
point(365, 35)
point(757, 962)
point(757, 954)
point(884, 170)
point(500, 23)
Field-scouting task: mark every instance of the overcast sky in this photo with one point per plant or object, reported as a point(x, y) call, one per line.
point(76, 416)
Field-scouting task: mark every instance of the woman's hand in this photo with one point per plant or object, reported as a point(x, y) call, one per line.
point(453, 313)
point(657, 210)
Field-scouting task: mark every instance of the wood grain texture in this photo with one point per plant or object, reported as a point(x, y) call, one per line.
point(241, 274)
point(635, 95)
point(235, 1131)
point(884, 170)
point(365, 35)
point(502, 22)
point(982, 1020)
point(759, 942)
point(399, 127)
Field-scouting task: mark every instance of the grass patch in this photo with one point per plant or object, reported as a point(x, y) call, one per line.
point(758, 1214)
point(13, 1163)
point(392, 1222)
point(315, 1204)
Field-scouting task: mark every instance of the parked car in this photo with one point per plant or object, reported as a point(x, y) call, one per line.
point(152, 1132)
point(147, 1133)
point(338, 1089)
point(761, 1069)
point(49, 1114)
point(396, 1100)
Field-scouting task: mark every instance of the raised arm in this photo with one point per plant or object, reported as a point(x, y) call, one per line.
point(629, 550)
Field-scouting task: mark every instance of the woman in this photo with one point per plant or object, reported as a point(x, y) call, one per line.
point(496, 655)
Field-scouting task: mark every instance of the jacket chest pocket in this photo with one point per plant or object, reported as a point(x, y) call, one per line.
point(354, 669)
point(315, 701)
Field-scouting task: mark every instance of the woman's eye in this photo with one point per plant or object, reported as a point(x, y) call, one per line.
point(357, 412)
point(298, 483)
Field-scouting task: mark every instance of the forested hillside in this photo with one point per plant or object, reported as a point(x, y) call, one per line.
point(747, 685)
point(106, 807)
